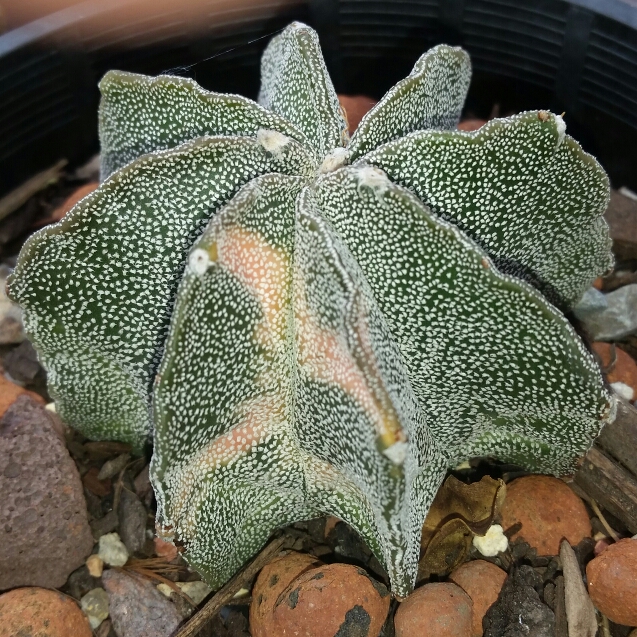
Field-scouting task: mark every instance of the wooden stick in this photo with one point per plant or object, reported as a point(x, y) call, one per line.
point(612, 487)
point(619, 439)
point(227, 592)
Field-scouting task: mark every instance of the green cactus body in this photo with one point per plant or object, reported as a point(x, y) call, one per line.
point(310, 325)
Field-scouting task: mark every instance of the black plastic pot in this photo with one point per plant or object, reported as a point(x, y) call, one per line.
point(578, 56)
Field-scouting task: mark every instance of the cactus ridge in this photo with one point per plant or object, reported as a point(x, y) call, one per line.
point(305, 324)
point(522, 189)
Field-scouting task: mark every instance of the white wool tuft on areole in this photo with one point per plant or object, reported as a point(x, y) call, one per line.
point(334, 160)
point(199, 261)
point(273, 141)
point(561, 129)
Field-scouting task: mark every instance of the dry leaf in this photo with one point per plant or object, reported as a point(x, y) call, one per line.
point(580, 612)
point(459, 511)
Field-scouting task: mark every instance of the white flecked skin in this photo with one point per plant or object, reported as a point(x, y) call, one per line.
point(307, 324)
point(540, 219)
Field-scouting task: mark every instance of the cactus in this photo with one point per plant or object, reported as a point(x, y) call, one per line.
point(309, 324)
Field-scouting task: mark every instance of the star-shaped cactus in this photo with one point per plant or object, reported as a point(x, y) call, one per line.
point(306, 324)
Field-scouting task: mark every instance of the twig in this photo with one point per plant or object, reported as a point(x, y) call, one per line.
point(605, 626)
point(604, 521)
point(226, 593)
point(11, 202)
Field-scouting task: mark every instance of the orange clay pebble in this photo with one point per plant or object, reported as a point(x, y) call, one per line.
point(273, 579)
point(548, 511)
point(612, 582)
point(482, 581)
point(164, 549)
point(435, 610)
point(330, 600)
point(40, 612)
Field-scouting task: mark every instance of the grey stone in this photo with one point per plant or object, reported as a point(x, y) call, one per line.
point(80, 582)
point(183, 607)
point(618, 319)
point(94, 506)
point(137, 608)
point(104, 525)
point(44, 530)
point(132, 521)
point(22, 363)
point(592, 302)
point(143, 487)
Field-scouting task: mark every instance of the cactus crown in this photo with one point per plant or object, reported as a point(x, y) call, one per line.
point(308, 324)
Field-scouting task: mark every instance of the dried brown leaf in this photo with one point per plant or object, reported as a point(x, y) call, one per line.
point(580, 612)
point(459, 511)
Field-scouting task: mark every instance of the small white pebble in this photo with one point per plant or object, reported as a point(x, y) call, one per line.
point(623, 390)
point(197, 591)
point(242, 592)
point(112, 550)
point(50, 407)
point(493, 542)
point(164, 589)
point(463, 465)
